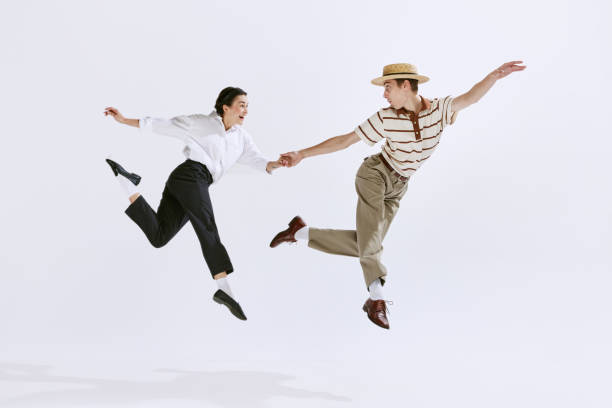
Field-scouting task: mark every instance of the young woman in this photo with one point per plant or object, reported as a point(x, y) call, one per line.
point(213, 144)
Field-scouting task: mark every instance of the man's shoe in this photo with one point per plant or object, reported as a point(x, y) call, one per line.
point(377, 312)
point(117, 169)
point(288, 235)
point(223, 298)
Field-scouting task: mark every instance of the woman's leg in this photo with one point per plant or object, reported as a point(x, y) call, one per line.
point(195, 200)
point(159, 227)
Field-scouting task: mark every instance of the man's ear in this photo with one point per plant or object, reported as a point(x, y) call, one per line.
point(225, 109)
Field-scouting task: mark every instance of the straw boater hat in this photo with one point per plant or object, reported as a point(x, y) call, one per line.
point(396, 71)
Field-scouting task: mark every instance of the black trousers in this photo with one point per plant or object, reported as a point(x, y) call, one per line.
point(185, 198)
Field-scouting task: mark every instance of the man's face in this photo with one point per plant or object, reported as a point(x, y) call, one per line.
point(236, 113)
point(396, 95)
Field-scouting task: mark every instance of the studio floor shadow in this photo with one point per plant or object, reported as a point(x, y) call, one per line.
point(210, 388)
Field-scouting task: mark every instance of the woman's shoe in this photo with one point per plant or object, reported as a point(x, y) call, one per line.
point(223, 298)
point(117, 169)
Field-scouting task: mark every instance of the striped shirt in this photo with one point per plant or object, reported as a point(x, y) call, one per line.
point(410, 138)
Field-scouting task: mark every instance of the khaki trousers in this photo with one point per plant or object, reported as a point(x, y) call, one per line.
point(379, 192)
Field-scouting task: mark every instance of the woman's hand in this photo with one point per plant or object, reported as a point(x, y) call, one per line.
point(114, 112)
point(271, 166)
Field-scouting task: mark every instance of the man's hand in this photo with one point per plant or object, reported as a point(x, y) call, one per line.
point(508, 68)
point(291, 158)
point(114, 112)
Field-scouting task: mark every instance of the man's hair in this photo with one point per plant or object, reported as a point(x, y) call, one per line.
point(226, 97)
point(414, 84)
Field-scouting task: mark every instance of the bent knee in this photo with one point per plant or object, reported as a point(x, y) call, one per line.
point(158, 243)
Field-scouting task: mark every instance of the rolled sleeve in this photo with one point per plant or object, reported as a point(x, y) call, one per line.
point(371, 130)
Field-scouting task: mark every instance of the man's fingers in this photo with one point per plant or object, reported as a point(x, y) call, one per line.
point(507, 64)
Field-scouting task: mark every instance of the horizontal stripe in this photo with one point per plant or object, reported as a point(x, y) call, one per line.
point(400, 130)
point(412, 151)
point(407, 161)
point(432, 125)
point(412, 141)
point(424, 116)
point(415, 141)
point(429, 148)
point(413, 130)
point(420, 117)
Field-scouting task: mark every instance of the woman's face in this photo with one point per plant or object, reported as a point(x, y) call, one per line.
point(236, 113)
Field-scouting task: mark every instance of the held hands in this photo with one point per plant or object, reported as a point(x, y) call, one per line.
point(114, 112)
point(289, 159)
point(507, 68)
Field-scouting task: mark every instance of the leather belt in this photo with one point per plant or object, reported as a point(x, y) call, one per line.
point(391, 169)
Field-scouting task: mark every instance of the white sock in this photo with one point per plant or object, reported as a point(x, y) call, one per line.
point(376, 292)
point(302, 233)
point(129, 187)
point(223, 284)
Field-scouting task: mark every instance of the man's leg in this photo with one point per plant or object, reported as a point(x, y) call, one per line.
point(371, 225)
point(334, 241)
point(372, 186)
point(158, 227)
point(392, 203)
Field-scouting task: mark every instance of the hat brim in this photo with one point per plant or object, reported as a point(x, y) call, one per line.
point(381, 80)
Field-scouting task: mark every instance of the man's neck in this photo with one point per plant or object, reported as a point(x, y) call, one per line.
point(414, 104)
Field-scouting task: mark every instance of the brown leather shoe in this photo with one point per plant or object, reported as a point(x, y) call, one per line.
point(377, 312)
point(288, 235)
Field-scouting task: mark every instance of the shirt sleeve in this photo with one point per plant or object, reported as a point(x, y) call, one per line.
point(251, 156)
point(371, 131)
point(446, 108)
point(176, 127)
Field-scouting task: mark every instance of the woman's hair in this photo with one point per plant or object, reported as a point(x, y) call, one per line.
point(226, 97)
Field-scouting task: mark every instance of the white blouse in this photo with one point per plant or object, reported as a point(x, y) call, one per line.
point(207, 142)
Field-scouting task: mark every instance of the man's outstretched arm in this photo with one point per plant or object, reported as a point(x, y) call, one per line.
point(481, 88)
point(330, 145)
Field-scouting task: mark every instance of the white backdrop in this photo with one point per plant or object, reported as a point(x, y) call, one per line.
point(501, 300)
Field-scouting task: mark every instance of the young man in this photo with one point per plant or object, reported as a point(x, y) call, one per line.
point(213, 143)
point(411, 128)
